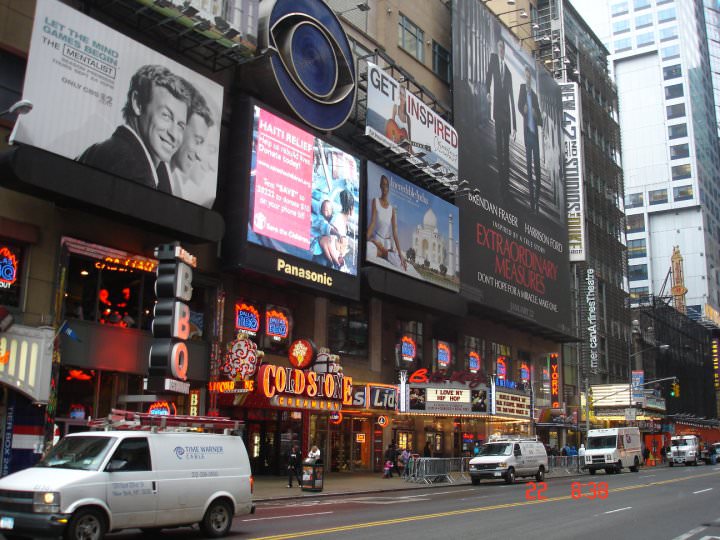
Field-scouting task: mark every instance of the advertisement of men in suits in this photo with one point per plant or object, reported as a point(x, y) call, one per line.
point(113, 104)
point(513, 221)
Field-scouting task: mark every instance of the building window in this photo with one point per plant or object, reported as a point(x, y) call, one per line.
point(641, 4)
point(675, 111)
point(668, 33)
point(474, 352)
point(658, 196)
point(442, 62)
point(637, 248)
point(621, 26)
point(12, 261)
point(637, 272)
point(619, 9)
point(680, 151)
point(635, 223)
point(666, 15)
point(639, 294)
point(411, 38)
point(645, 39)
point(681, 172)
point(348, 329)
point(409, 344)
point(667, 53)
point(641, 21)
point(672, 72)
point(674, 91)
point(622, 44)
point(677, 131)
point(682, 193)
point(444, 357)
point(634, 200)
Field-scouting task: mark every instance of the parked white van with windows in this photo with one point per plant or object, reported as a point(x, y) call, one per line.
point(612, 449)
point(508, 459)
point(94, 482)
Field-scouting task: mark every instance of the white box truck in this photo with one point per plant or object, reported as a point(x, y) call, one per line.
point(95, 482)
point(684, 449)
point(612, 449)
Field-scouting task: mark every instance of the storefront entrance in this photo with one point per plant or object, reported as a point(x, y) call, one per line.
point(351, 445)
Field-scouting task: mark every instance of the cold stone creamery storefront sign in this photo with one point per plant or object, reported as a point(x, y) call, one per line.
point(297, 389)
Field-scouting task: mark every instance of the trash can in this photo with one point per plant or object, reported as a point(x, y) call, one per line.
point(312, 475)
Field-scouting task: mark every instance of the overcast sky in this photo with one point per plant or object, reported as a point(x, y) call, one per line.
point(595, 13)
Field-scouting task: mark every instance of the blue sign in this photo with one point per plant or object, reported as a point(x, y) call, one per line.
point(638, 380)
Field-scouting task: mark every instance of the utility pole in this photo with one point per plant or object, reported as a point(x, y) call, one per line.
point(587, 406)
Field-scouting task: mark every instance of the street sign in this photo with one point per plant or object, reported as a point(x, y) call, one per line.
point(630, 413)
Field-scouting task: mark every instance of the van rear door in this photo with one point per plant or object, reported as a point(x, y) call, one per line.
point(132, 486)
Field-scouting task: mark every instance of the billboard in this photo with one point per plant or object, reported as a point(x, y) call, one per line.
point(303, 204)
point(402, 122)
point(513, 229)
point(116, 105)
point(574, 163)
point(411, 231)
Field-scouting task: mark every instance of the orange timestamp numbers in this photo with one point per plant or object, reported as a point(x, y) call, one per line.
point(595, 490)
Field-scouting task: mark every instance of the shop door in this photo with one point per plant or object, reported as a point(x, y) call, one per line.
point(261, 448)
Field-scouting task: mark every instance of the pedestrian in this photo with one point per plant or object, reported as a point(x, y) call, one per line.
point(646, 454)
point(314, 453)
point(427, 451)
point(390, 458)
point(387, 470)
point(476, 450)
point(405, 460)
point(581, 450)
point(293, 467)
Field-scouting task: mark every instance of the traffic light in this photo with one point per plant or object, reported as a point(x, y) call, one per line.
point(675, 389)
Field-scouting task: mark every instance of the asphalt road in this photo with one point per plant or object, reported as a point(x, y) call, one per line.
point(682, 503)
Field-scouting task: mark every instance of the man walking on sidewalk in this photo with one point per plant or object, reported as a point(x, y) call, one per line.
point(294, 466)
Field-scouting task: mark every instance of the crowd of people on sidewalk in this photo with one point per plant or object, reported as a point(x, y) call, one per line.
point(396, 458)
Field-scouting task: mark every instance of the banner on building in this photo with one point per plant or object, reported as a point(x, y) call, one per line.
point(590, 323)
point(113, 104)
point(574, 163)
point(424, 243)
point(638, 386)
point(716, 362)
point(513, 228)
point(401, 121)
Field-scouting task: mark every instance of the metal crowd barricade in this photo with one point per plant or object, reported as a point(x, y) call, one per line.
point(563, 464)
point(433, 470)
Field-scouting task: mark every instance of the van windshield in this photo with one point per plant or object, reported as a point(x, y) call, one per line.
point(608, 441)
point(499, 449)
point(81, 453)
point(680, 442)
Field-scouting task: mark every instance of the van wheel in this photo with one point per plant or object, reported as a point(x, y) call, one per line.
point(151, 531)
point(86, 524)
point(540, 476)
point(636, 465)
point(618, 467)
point(217, 520)
point(510, 476)
point(670, 463)
point(475, 481)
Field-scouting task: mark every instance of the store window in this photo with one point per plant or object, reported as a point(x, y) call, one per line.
point(442, 62)
point(677, 131)
point(12, 260)
point(682, 193)
point(681, 172)
point(635, 223)
point(637, 248)
point(408, 345)
point(658, 196)
point(348, 329)
point(411, 38)
point(634, 200)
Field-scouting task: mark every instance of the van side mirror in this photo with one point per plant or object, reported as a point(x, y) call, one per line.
point(116, 465)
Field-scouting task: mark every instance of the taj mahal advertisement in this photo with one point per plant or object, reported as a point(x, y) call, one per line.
point(411, 231)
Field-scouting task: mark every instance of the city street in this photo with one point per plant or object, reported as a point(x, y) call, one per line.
point(657, 503)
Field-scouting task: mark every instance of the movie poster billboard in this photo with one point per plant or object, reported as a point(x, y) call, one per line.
point(574, 163)
point(411, 231)
point(513, 230)
point(113, 104)
point(399, 120)
point(304, 198)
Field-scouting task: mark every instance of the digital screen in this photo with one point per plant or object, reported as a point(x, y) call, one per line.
point(304, 195)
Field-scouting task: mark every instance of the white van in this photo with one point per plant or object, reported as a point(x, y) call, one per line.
point(684, 449)
point(95, 482)
point(509, 459)
point(612, 449)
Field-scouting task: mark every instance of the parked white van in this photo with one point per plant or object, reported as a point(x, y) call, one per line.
point(684, 449)
point(94, 482)
point(509, 459)
point(612, 449)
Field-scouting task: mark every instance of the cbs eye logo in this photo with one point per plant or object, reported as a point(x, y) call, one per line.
point(312, 61)
point(179, 452)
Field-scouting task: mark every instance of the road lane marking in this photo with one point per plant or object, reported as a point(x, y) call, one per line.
point(285, 517)
point(618, 510)
point(690, 534)
point(647, 476)
point(702, 491)
point(465, 511)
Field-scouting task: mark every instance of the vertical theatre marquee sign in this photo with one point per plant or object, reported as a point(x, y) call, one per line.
point(591, 320)
point(575, 197)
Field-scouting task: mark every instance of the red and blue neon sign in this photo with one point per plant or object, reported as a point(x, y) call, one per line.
point(473, 361)
point(501, 368)
point(247, 318)
point(408, 348)
point(277, 324)
point(444, 356)
point(8, 267)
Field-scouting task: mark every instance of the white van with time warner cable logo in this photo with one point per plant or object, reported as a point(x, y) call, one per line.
point(95, 482)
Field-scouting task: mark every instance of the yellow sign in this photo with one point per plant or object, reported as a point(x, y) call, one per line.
point(360, 437)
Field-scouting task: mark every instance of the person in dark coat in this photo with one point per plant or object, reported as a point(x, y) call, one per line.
point(391, 456)
point(530, 110)
point(427, 451)
point(499, 76)
point(293, 467)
